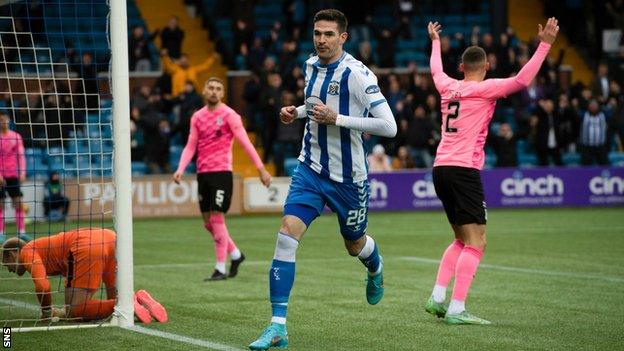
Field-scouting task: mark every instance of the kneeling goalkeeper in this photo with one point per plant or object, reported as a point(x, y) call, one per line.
point(86, 258)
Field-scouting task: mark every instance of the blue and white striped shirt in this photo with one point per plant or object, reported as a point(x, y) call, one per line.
point(349, 88)
point(594, 129)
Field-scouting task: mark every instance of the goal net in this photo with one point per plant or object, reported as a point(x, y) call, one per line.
point(56, 94)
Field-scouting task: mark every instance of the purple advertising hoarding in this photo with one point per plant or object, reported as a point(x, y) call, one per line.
point(536, 187)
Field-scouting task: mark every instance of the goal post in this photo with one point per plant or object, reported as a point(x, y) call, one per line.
point(124, 311)
point(64, 84)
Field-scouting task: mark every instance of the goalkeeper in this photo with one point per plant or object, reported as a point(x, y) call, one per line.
point(86, 258)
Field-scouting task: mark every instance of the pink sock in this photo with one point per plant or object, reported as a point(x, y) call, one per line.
point(448, 263)
point(20, 222)
point(2, 219)
point(467, 264)
point(231, 246)
point(220, 235)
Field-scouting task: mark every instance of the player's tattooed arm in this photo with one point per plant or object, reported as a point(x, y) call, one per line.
point(324, 115)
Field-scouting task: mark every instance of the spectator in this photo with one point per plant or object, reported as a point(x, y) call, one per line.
point(378, 161)
point(181, 71)
point(251, 95)
point(546, 130)
point(243, 35)
point(288, 57)
point(88, 72)
point(600, 86)
point(386, 47)
point(504, 144)
point(156, 134)
point(365, 54)
point(140, 99)
point(139, 50)
point(568, 122)
point(450, 56)
point(189, 102)
point(421, 138)
point(171, 38)
point(270, 99)
point(593, 138)
point(257, 55)
point(395, 94)
point(403, 159)
point(55, 203)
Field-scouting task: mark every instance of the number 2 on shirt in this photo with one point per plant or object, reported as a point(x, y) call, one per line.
point(451, 116)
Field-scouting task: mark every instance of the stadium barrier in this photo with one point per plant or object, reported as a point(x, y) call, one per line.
point(152, 196)
point(504, 188)
point(158, 196)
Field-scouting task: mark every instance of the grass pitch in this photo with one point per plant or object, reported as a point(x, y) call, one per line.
point(550, 280)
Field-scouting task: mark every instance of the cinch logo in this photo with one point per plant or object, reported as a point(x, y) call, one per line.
point(424, 189)
point(379, 190)
point(542, 186)
point(606, 185)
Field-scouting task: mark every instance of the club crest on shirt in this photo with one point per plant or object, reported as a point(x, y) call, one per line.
point(334, 88)
point(219, 121)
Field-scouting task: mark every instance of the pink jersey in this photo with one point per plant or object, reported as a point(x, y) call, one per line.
point(12, 158)
point(211, 135)
point(468, 106)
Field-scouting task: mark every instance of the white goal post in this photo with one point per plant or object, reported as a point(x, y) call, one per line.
point(86, 143)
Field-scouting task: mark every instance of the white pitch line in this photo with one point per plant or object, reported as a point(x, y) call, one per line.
point(175, 337)
point(524, 270)
point(251, 263)
point(185, 339)
point(22, 304)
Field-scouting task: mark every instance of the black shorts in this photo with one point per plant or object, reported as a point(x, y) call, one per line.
point(215, 191)
point(461, 192)
point(11, 186)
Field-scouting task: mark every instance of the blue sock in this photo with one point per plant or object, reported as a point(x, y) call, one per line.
point(281, 279)
point(370, 255)
point(282, 276)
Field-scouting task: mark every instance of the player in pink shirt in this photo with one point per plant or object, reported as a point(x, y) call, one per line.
point(467, 108)
point(213, 129)
point(12, 173)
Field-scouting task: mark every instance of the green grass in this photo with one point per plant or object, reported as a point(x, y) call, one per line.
point(568, 293)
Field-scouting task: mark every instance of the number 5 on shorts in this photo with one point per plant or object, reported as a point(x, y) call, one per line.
point(219, 197)
point(356, 216)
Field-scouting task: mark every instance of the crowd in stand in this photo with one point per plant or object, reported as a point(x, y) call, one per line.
point(553, 118)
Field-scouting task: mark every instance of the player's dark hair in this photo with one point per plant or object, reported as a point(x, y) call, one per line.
point(332, 15)
point(473, 58)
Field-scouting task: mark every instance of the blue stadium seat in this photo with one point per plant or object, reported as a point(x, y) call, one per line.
point(527, 160)
point(616, 159)
point(139, 168)
point(571, 159)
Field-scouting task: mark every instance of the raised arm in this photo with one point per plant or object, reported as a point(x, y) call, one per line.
point(440, 79)
point(504, 87)
point(205, 65)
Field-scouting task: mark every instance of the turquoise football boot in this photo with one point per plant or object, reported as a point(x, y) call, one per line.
point(375, 285)
point(274, 335)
